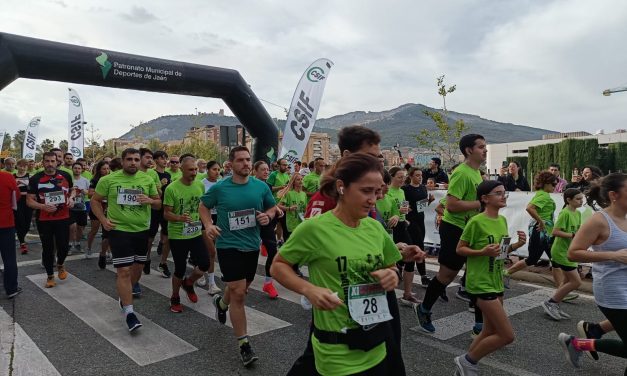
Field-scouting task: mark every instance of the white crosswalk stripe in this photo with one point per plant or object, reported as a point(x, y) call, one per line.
point(257, 321)
point(101, 312)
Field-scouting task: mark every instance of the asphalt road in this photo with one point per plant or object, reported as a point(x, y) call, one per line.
point(77, 329)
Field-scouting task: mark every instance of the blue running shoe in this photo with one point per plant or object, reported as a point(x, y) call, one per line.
point(424, 319)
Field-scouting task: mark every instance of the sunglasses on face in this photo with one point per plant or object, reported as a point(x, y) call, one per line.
point(174, 162)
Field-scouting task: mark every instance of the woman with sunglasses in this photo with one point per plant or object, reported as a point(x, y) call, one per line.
point(541, 208)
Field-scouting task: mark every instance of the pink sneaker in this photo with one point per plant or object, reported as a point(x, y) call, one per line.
point(269, 289)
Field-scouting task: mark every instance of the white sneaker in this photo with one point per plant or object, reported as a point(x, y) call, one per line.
point(464, 367)
point(552, 309)
point(201, 282)
point(214, 289)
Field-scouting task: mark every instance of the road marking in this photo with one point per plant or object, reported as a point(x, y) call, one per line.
point(462, 322)
point(257, 322)
point(150, 344)
point(502, 367)
point(27, 357)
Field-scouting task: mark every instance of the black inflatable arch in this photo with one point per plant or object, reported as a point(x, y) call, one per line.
point(23, 57)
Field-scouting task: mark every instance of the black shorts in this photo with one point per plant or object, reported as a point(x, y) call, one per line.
point(236, 265)
point(92, 216)
point(79, 217)
point(195, 248)
point(105, 233)
point(563, 267)
point(485, 296)
point(128, 248)
point(156, 220)
point(449, 237)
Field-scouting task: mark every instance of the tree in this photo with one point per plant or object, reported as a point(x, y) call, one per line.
point(18, 142)
point(6, 143)
point(444, 140)
point(63, 145)
point(155, 144)
point(201, 149)
point(47, 144)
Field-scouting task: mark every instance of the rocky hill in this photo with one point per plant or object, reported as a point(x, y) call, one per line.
point(398, 125)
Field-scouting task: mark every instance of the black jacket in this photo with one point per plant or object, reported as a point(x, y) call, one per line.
point(511, 185)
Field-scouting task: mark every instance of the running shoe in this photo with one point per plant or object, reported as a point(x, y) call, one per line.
point(507, 280)
point(78, 249)
point(133, 322)
point(189, 290)
point(269, 289)
point(552, 309)
point(584, 329)
point(50, 282)
point(87, 253)
point(424, 319)
point(475, 332)
point(409, 300)
point(137, 290)
point(220, 313)
point(214, 289)
point(102, 261)
point(165, 272)
point(563, 314)
point(109, 258)
point(147, 267)
point(464, 367)
point(23, 248)
point(202, 281)
point(424, 281)
point(175, 304)
point(572, 355)
point(247, 354)
point(462, 295)
point(14, 294)
point(570, 297)
point(444, 297)
point(61, 272)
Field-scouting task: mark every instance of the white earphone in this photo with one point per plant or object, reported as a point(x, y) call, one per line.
point(341, 190)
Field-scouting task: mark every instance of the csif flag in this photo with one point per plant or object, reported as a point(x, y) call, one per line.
point(76, 125)
point(29, 148)
point(304, 109)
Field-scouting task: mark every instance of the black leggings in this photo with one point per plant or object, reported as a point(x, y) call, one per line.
point(615, 347)
point(537, 246)
point(401, 235)
point(197, 250)
point(51, 233)
point(23, 216)
point(416, 230)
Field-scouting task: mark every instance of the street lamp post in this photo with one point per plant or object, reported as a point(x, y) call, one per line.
point(608, 92)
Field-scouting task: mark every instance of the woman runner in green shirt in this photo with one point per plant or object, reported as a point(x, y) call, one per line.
point(351, 263)
point(483, 245)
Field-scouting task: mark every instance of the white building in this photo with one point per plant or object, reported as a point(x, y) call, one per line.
point(497, 153)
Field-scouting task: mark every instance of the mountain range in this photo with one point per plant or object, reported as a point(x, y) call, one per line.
point(399, 125)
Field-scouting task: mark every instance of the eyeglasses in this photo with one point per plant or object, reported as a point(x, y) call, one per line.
point(174, 162)
point(502, 194)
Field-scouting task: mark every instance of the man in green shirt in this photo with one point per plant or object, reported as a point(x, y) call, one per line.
point(242, 204)
point(130, 194)
point(311, 182)
point(174, 168)
point(9, 165)
point(461, 205)
point(180, 203)
point(279, 179)
point(68, 160)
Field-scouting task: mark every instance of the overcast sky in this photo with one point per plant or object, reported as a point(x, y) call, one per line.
point(537, 63)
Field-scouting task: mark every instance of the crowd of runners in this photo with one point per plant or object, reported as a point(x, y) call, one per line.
point(357, 227)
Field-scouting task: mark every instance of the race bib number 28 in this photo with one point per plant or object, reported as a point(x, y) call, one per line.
point(367, 304)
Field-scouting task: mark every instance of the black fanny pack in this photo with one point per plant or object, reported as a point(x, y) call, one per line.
point(363, 338)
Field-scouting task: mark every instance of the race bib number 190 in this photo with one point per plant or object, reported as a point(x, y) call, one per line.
point(241, 219)
point(367, 304)
point(128, 196)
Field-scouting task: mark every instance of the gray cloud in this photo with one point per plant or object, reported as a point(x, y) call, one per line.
point(139, 15)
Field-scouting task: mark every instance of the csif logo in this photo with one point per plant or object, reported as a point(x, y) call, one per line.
point(75, 101)
point(105, 65)
point(76, 152)
point(315, 74)
point(34, 123)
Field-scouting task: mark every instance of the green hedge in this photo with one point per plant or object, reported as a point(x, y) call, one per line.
point(576, 153)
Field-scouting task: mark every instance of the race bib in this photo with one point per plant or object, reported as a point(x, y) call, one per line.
point(191, 228)
point(422, 205)
point(367, 304)
point(79, 199)
point(128, 196)
point(504, 246)
point(54, 198)
point(241, 219)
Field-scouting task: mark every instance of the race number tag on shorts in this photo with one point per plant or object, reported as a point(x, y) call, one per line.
point(191, 228)
point(367, 304)
point(504, 246)
point(128, 196)
point(54, 198)
point(79, 199)
point(241, 219)
point(422, 205)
